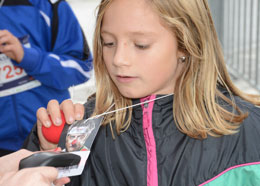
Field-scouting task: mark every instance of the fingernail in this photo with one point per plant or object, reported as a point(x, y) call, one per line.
point(47, 123)
point(71, 119)
point(58, 121)
point(78, 116)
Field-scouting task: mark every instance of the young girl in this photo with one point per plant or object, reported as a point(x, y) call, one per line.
point(181, 121)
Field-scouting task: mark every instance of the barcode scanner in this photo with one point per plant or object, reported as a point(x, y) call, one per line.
point(53, 133)
point(51, 159)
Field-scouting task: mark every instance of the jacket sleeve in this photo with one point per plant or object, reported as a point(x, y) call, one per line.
point(69, 62)
point(32, 141)
point(244, 153)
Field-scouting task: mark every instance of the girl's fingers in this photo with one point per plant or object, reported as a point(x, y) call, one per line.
point(79, 111)
point(69, 111)
point(44, 144)
point(53, 108)
point(72, 111)
point(43, 117)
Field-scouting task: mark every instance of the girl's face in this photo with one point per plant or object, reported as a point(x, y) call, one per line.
point(141, 55)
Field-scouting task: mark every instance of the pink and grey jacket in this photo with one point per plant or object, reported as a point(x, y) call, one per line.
point(153, 152)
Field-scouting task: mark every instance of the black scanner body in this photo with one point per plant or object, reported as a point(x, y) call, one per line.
point(50, 159)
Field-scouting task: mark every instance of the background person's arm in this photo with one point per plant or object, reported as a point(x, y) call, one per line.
point(68, 62)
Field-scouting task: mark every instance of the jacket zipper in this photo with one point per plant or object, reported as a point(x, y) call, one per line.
point(152, 174)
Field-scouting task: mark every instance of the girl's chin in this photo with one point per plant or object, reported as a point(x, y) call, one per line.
point(133, 95)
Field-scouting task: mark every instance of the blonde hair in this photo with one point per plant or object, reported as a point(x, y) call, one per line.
point(196, 110)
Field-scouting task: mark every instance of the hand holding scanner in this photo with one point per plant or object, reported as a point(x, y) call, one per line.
point(52, 159)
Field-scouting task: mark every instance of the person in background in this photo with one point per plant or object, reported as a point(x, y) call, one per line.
point(40, 176)
point(43, 52)
point(172, 115)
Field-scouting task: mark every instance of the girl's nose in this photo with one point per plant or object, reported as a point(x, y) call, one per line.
point(121, 55)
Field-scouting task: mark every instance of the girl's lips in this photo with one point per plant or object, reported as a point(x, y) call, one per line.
point(125, 79)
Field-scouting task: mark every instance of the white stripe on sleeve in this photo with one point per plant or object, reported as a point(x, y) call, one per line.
point(72, 64)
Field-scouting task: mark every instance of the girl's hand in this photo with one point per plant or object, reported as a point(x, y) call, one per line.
point(11, 46)
point(71, 112)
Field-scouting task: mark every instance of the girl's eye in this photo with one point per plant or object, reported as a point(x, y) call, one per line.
point(109, 44)
point(142, 47)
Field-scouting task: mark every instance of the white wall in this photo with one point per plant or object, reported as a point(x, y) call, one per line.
point(85, 11)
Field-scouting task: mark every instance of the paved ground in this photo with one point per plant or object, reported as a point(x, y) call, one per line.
point(85, 11)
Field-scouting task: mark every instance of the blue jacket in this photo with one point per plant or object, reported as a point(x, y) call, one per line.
point(56, 57)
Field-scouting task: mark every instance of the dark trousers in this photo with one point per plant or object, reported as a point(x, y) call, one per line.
point(5, 152)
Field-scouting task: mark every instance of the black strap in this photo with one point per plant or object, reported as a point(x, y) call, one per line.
point(55, 22)
point(86, 51)
point(55, 28)
point(16, 2)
